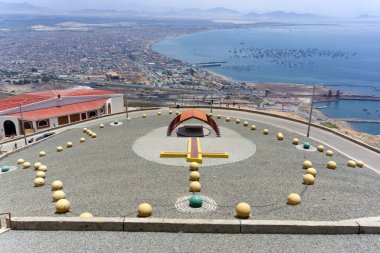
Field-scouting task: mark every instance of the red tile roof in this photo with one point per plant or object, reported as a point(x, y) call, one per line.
point(34, 97)
point(193, 113)
point(61, 110)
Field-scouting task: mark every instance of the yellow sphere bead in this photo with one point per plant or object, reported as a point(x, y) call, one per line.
point(144, 116)
point(245, 123)
point(101, 126)
point(86, 215)
point(57, 195)
point(210, 114)
point(20, 161)
point(237, 121)
point(144, 210)
point(351, 164)
point(62, 206)
point(253, 127)
point(69, 144)
point(39, 181)
point(294, 199)
point(85, 130)
point(194, 166)
point(42, 168)
point(320, 148)
point(170, 112)
point(219, 116)
point(40, 174)
point(280, 137)
point(243, 210)
point(308, 179)
point(37, 165)
point(329, 153)
point(26, 165)
point(307, 164)
point(265, 131)
point(228, 119)
point(360, 164)
point(177, 113)
point(331, 165)
point(59, 149)
point(295, 141)
point(311, 171)
point(42, 153)
point(195, 186)
point(93, 135)
point(56, 185)
point(195, 176)
point(159, 113)
point(82, 139)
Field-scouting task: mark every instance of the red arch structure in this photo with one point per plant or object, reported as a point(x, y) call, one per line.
point(193, 114)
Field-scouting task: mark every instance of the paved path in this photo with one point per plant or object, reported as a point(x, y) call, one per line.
point(346, 147)
point(69, 241)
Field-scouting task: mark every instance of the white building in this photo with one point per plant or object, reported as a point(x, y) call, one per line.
point(46, 109)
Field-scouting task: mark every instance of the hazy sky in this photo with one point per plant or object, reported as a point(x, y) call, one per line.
point(325, 7)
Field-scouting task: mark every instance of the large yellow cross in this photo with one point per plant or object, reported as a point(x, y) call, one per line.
point(194, 152)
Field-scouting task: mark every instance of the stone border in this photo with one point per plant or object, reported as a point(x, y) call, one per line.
point(235, 226)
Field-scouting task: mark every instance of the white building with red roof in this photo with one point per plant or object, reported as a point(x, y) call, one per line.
point(41, 110)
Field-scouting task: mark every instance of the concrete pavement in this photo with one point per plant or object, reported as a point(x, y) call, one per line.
point(69, 241)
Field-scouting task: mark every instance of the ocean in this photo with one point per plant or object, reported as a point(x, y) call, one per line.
point(344, 57)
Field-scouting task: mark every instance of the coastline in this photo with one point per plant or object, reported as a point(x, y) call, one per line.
point(301, 90)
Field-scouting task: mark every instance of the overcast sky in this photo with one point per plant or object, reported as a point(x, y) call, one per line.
point(325, 7)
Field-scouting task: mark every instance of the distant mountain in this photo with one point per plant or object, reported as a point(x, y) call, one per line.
point(282, 15)
point(252, 15)
point(217, 12)
point(220, 10)
point(20, 8)
point(366, 16)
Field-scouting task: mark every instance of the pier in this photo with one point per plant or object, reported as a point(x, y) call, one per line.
point(210, 64)
point(357, 120)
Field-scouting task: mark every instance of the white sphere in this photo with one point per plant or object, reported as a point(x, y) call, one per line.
point(59, 148)
point(57, 195)
point(86, 215)
point(40, 174)
point(69, 144)
point(56, 185)
point(20, 161)
point(26, 165)
point(39, 181)
point(37, 165)
point(82, 139)
point(62, 206)
point(42, 168)
point(294, 199)
point(42, 153)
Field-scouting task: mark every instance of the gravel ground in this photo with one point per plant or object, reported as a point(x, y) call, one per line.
point(62, 241)
point(105, 177)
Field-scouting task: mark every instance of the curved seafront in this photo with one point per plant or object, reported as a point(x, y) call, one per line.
point(344, 57)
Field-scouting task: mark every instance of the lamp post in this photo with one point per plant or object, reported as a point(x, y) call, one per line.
point(23, 126)
point(126, 103)
point(311, 112)
point(212, 99)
